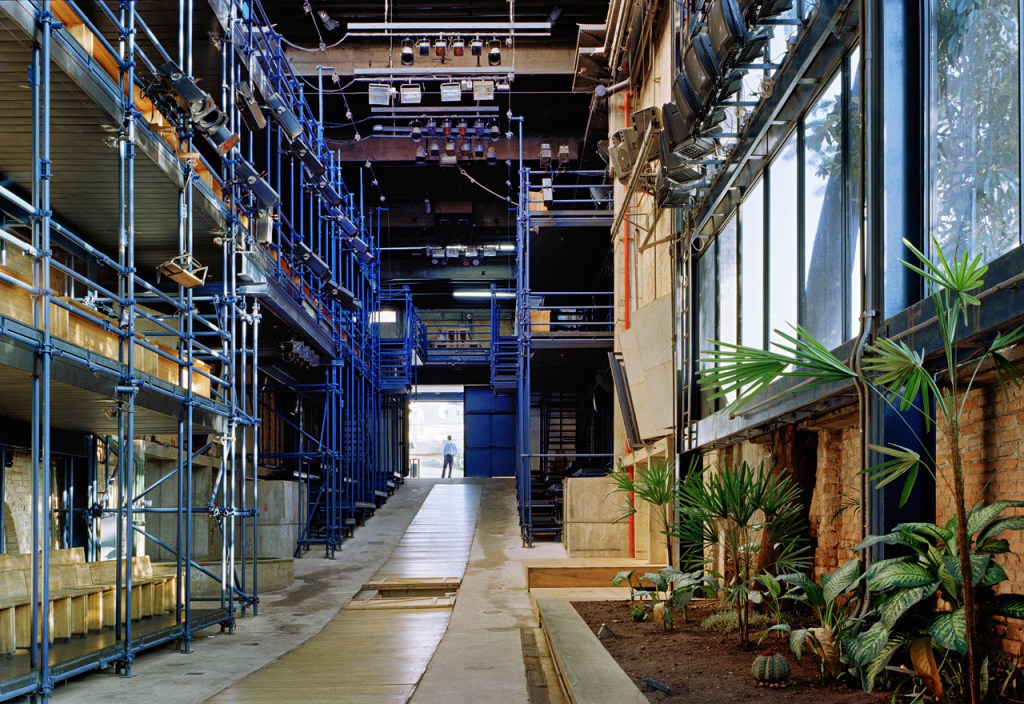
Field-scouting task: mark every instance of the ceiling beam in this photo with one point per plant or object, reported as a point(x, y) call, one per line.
point(346, 58)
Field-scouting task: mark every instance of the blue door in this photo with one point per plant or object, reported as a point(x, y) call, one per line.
point(490, 437)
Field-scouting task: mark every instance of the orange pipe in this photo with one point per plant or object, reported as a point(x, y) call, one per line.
point(625, 325)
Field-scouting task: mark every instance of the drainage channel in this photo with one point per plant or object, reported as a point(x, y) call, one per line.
point(408, 593)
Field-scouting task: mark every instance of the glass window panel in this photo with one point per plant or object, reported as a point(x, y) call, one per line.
point(823, 217)
point(728, 314)
point(706, 301)
point(782, 238)
point(728, 288)
point(752, 267)
point(976, 102)
point(853, 130)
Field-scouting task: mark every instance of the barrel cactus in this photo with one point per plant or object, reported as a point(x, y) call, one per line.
point(770, 670)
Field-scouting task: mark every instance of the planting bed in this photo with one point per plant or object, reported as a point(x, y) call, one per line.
point(709, 668)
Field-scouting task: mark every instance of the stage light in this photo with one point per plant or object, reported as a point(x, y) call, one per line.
point(446, 127)
point(361, 249)
point(329, 194)
point(440, 47)
point(435, 149)
point(431, 127)
point(478, 149)
point(421, 154)
point(410, 94)
point(248, 108)
point(494, 54)
point(449, 148)
point(478, 128)
point(545, 155)
point(183, 90)
point(335, 291)
point(451, 92)
point(563, 154)
point(492, 156)
point(330, 24)
point(424, 47)
point(309, 160)
point(458, 47)
point(407, 56)
point(222, 136)
point(308, 258)
point(461, 127)
point(250, 179)
point(285, 117)
point(379, 94)
point(476, 47)
point(494, 130)
point(483, 90)
point(465, 149)
point(347, 226)
point(415, 131)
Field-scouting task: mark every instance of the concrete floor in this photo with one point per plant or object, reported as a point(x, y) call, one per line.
point(479, 653)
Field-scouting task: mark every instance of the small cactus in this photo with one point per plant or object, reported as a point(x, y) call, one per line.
point(770, 670)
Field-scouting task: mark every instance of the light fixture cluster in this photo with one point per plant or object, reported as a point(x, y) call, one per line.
point(449, 141)
point(442, 46)
point(199, 108)
point(450, 91)
point(466, 255)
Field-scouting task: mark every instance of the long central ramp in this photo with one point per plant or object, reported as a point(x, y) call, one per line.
point(378, 655)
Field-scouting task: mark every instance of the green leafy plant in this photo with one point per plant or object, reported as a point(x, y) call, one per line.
point(902, 588)
point(629, 578)
point(672, 590)
point(772, 591)
point(903, 377)
point(728, 621)
point(637, 612)
point(834, 604)
point(655, 485)
point(736, 506)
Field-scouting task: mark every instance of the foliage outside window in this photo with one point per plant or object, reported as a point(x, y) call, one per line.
point(976, 127)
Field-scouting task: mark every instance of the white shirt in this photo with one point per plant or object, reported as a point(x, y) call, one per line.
point(449, 448)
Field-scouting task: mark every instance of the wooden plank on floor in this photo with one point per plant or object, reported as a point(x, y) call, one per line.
point(580, 572)
point(404, 602)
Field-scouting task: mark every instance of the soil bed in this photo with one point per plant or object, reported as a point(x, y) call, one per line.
point(706, 668)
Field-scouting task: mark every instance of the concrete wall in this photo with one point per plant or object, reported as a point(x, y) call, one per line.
point(18, 504)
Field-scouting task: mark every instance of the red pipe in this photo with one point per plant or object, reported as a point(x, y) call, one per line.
point(625, 325)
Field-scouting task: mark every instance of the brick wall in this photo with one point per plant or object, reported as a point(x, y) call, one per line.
point(833, 520)
point(992, 448)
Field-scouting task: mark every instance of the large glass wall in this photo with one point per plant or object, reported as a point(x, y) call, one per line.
point(975, 126)
point(798, 226)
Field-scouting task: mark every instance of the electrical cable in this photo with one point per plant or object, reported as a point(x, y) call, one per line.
point(477, 183)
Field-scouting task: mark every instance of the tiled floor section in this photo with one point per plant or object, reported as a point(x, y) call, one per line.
point(378, 656)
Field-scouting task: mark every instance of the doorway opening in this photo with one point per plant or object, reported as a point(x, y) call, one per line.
point(435, 412)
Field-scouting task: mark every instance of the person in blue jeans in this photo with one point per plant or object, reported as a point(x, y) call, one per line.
point(449, 450)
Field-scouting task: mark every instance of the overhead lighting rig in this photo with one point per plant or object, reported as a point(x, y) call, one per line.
point(309, 259)
point(251, 180)
point(175, 91)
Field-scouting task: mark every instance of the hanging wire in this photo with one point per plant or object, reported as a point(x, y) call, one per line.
point(477, 183)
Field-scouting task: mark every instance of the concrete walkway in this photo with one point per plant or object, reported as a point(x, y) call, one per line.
point(480, 652)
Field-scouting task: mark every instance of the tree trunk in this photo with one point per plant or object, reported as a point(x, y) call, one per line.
point(963, 544)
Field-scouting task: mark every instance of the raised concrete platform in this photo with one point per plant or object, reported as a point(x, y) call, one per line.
point(589, 673)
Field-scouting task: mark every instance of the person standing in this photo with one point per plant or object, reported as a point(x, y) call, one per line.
point(449, 450)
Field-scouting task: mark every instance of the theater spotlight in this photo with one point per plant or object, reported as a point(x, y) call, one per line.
point(309, 160)
point(435, 149)
point(248, 108)
point(476, 47)
point(261, 190)
point(494, 131)
point(465, 149)
point(440, 47)
point(451, 92)
point(415, 131)
point(361, 249)
point(347, 226)
point(446, 127)
point(731, 41)
point(421, 154)
point(330, 195)
point(492, 156)
point(335, 291)
point(285, 117)
point(407, 56)
point(431, 127)
point(449, 148)
point(410, 94)
point(478, 128)
point(458, 47)
point(308, 258)
point(221, 135)
point(330, 24)
point(545, 155)
point(424, 47)
point(478, 149)
point(494, 54)
point(183, 90)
